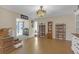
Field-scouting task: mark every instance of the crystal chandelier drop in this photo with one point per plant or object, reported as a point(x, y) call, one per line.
point(41, 12)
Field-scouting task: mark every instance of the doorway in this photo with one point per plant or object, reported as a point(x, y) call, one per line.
point(35, 28)
point(19, 27)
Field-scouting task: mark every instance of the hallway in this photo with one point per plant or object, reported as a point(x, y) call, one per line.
point(44, 46)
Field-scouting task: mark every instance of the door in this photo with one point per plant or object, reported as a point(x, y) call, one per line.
point(49, 34)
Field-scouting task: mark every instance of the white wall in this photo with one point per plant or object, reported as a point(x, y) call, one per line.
point(69, 20)
point(8, 19)
point(31, 30)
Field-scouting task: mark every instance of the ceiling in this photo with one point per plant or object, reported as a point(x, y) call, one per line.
point(51, 10)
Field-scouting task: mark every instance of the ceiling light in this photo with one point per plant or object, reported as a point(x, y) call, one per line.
point(41, 12)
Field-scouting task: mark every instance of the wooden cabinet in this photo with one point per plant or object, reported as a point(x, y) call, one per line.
point(49, 34)
point(6, 42)
point(60, 31)
point(42, 30)
point(6, 45)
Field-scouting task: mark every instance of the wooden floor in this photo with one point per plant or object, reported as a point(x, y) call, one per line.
point(44, 46)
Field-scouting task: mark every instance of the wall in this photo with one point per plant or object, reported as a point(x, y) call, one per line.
point(69, 20)
point(70, 24)
point(31, 30)
point(8, 19)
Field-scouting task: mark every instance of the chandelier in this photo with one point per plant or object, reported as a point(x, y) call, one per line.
point(41, 12)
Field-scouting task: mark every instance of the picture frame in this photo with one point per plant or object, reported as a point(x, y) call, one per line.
point(24, 17)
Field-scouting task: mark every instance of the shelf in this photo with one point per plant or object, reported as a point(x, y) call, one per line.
point(60, 30)
point(41, 30)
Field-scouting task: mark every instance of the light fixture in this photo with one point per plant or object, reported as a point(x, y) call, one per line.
point(41, 12)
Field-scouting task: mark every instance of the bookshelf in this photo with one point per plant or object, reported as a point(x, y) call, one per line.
point(42, 30)
point(60, 31)
point(49, 34)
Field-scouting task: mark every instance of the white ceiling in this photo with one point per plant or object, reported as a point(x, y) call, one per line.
point(51, 10)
